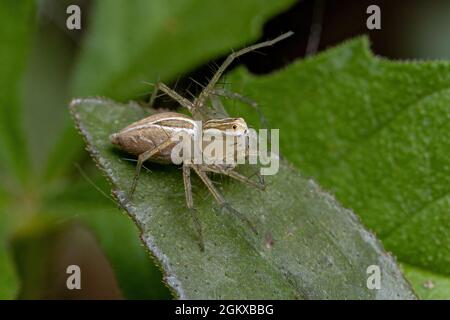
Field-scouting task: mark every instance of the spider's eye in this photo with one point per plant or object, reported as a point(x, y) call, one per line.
point(234, 127)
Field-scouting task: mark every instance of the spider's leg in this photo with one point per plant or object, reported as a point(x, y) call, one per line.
point(216, 111)
point(219, 198)
point(190, 203)
point(252, 103)
point(199, 103)
point(171, 93)
point(235, 175)
point(141, 159)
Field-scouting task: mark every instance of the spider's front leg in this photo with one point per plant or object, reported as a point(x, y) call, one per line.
point(201, 172)
point(208, 90)
point(236, 175)
point(171, 93)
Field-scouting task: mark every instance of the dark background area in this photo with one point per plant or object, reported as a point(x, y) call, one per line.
point(415, 29)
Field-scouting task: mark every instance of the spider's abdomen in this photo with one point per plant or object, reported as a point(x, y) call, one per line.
point(146, 134)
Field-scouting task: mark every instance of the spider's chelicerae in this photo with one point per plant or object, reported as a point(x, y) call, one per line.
point(152, 137)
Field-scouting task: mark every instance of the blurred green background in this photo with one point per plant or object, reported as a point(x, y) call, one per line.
point(55, 208)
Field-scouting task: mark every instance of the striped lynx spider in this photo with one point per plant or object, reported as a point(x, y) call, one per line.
point(152, 137)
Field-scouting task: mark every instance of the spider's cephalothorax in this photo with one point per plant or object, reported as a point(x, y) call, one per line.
point(152, 137)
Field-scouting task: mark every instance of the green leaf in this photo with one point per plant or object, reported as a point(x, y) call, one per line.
point(377, 134)
point(8, 277)
point(428, 285)
point(117, 235)
point(130, 43)
point(44, 90)
point(15, 28)
point(308, 246)
point(136, 274)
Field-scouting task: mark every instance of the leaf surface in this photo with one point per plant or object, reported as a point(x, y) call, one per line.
point(377, 134)
point(308, 246)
